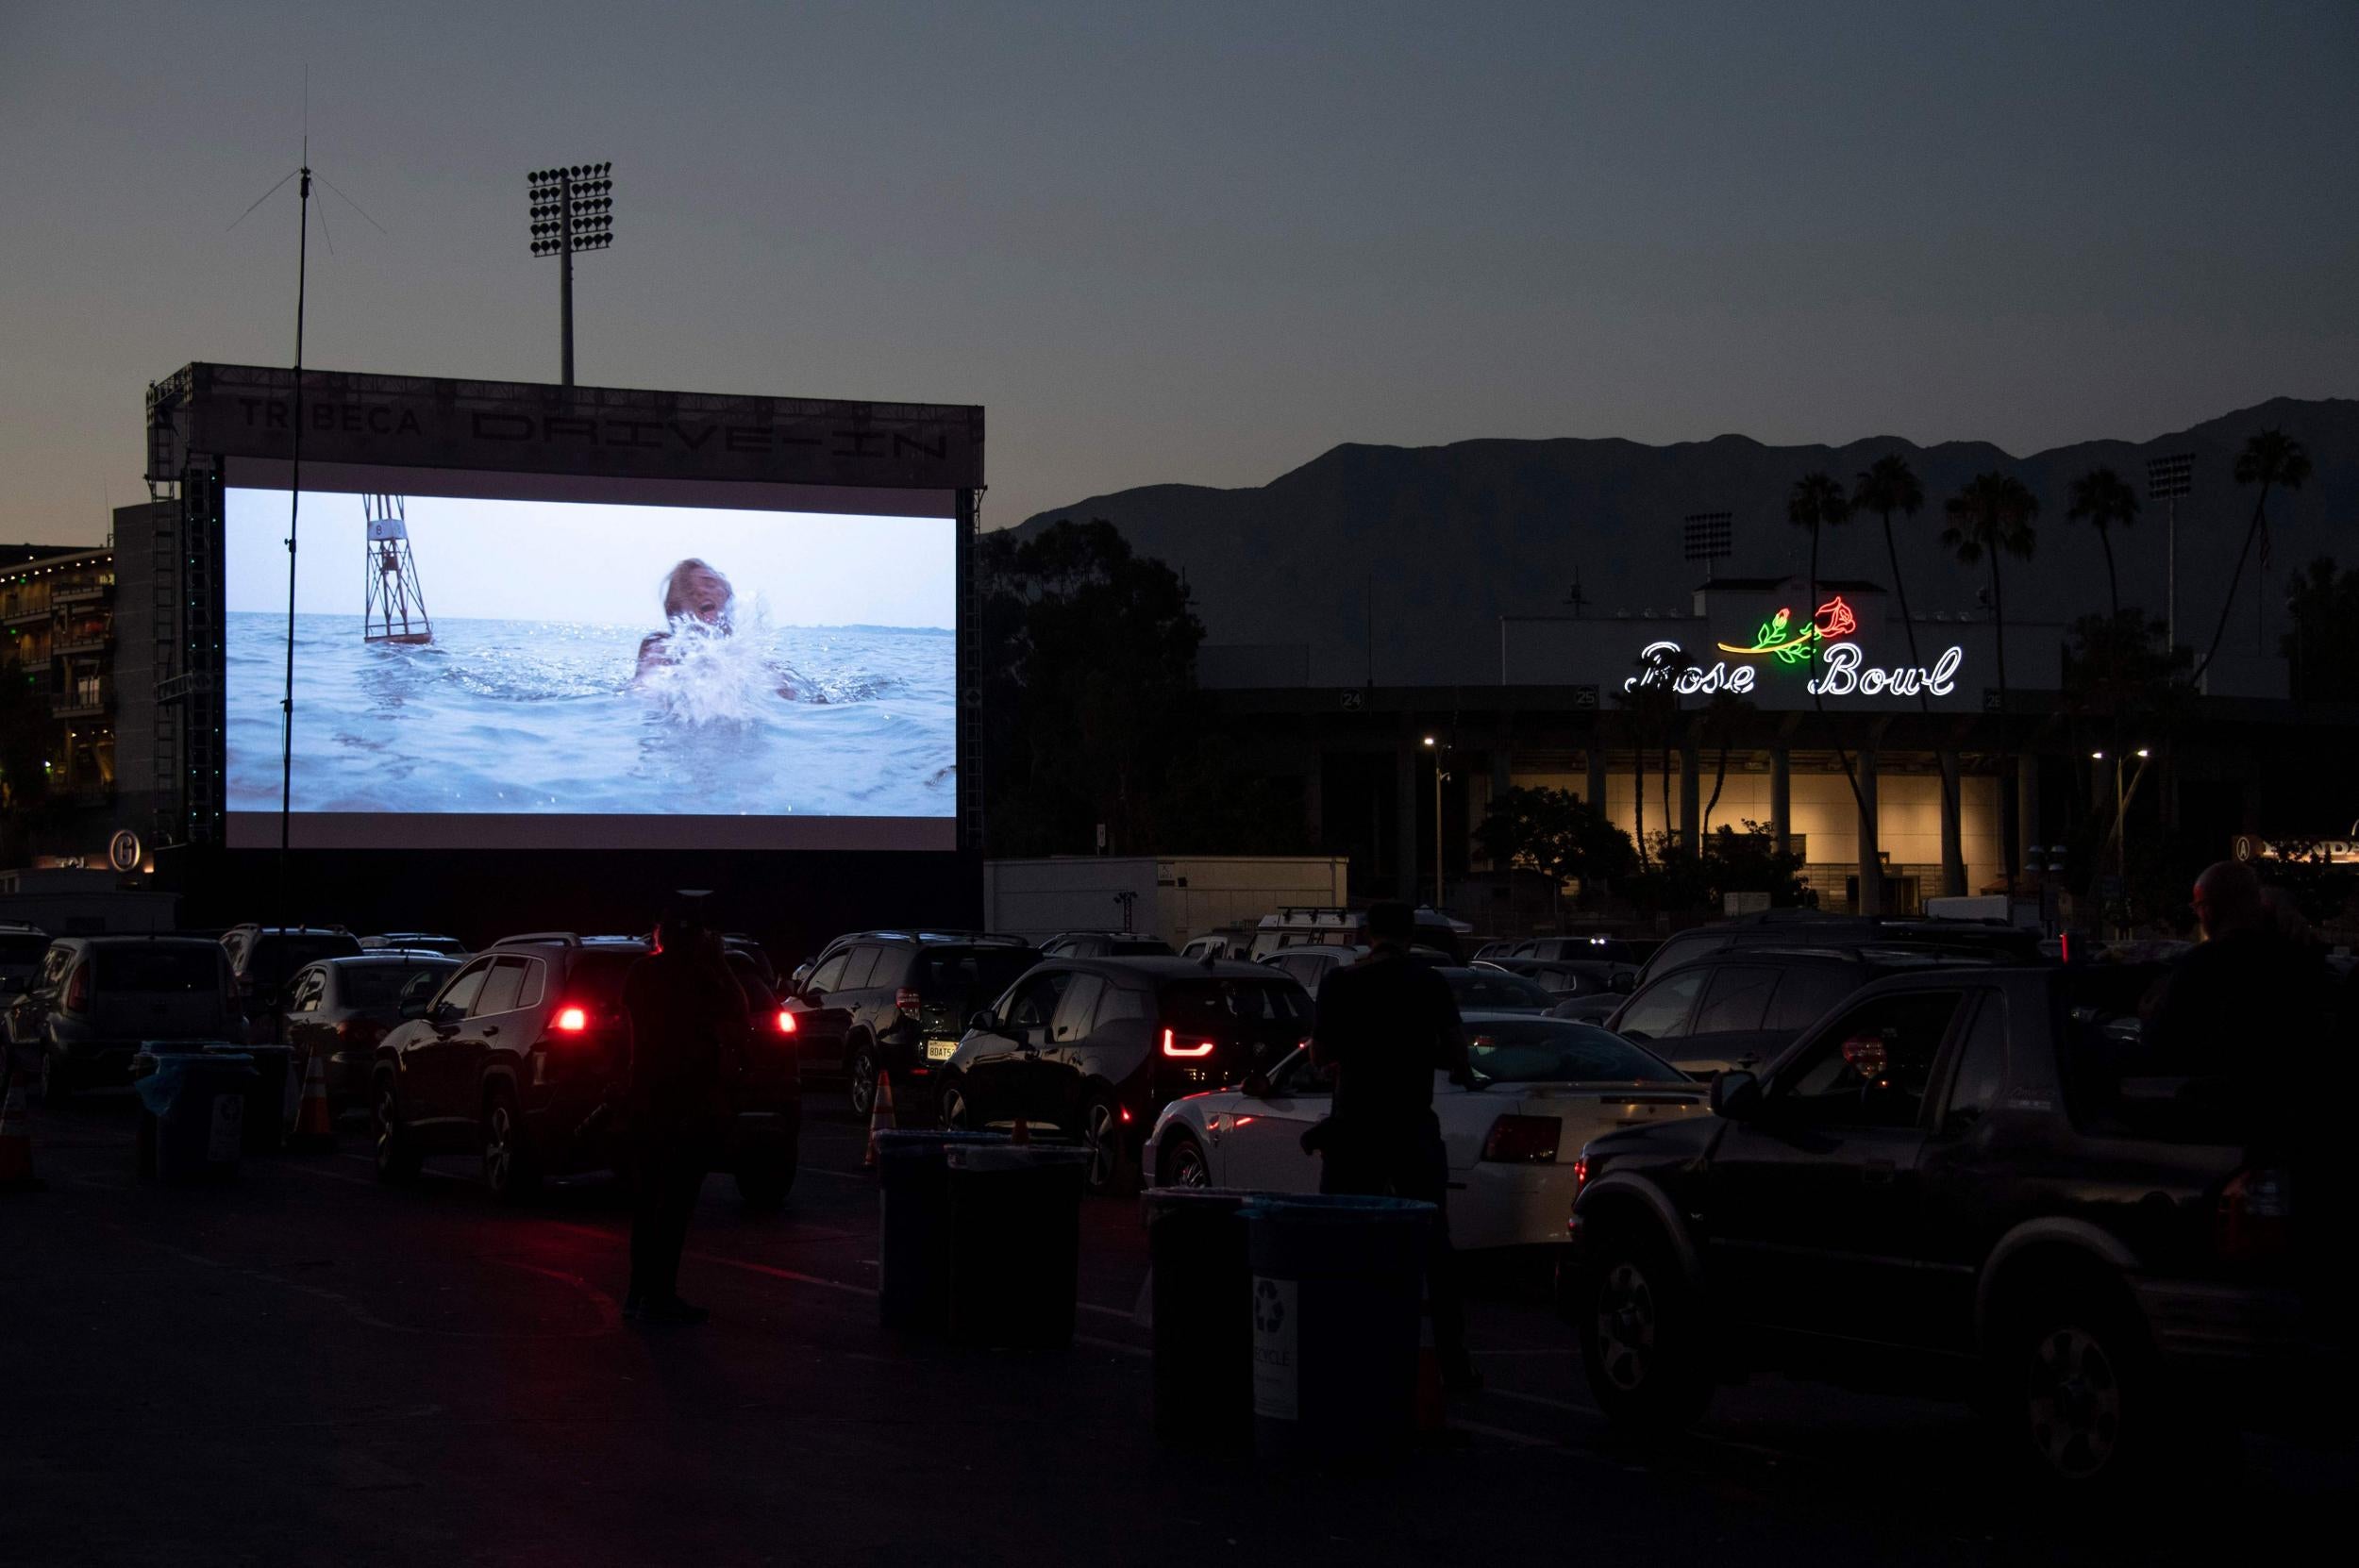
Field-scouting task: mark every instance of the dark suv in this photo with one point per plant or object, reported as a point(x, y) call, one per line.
point(264, 957)
point(515, 1052)
point(1741, 1006)
point(1094, 1047)
point(1959, 1183)
point(910, 994)
point(1104, 945)
point(96, 999)
point(1990, 940)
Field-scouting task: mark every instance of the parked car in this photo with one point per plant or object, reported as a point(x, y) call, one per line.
point(1604, 949)
point(1219, 946)
point(1959, 1184)
point(1310, 964)
point(1565, 978)
point(21, 950)
point(96, 999)
point(1542, 1089)
point(1988, 941)
point(513, 1054)
point(740, 945)
point(1096, 1047)
point(1741, 1006)
point(416, 942)
point(1494, 991)
point(263, 958)
point(339, 1008)
point(1104, 945)
point(909, 994)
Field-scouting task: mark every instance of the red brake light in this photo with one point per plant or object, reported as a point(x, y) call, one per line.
point(906, 1000)
point(570, 1020)
point(1580, 1170)
point(786, 1020)
point(1523, 1140)
point(77, 990)
point(1173, 1048)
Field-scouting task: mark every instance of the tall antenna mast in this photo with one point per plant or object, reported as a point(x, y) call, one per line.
point(294, 511)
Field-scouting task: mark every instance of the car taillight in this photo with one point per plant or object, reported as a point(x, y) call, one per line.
point(1580, 1170)
point(1173, 1046)
point(1523, 1140)
point(359, 1029)
point(77, 990)
point(570, 1020)
point(2254, 1219)
point(786, 1020)
point(908, 1001)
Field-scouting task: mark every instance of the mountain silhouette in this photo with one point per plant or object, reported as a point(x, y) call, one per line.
point(1451, 537)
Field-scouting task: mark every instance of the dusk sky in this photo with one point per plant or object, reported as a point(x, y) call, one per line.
point(1203, 241)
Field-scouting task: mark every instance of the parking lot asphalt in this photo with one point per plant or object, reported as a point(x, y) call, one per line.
point(308, 1366)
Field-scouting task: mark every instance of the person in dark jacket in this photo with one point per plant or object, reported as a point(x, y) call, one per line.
point(688, 1024)
point(1384, 1026)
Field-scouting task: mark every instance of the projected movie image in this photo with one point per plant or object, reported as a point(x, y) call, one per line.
point(524, 657)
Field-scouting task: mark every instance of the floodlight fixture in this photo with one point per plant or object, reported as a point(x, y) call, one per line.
point(572, 209)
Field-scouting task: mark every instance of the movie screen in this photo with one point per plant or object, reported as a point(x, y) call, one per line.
point(519, 673)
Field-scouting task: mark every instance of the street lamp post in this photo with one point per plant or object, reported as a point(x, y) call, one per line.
point(1436, 748)
point(573, 210)
point(2122, 796)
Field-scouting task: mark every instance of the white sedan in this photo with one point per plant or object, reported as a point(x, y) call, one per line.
point(1543, 1088)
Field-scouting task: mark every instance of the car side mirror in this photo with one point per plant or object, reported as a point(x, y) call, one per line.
point(415, 1008)
point(985, 1022)
point(1256, 1085)
point(444, 1013)
point(1622, 981)
point(1737, 1096)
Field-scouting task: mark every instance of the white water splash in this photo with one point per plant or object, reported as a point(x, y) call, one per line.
point(711, 676)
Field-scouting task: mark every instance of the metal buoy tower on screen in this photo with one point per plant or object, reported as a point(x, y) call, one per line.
point(393, 605)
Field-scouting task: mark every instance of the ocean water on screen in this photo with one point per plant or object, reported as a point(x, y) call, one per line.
point(521, 716)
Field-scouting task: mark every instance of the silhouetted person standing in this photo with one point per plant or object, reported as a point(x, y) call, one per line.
point(687, 1019)
point(1385, 1025)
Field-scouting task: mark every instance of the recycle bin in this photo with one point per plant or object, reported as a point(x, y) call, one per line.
point(1336, 1306)
point(1201, 1288)
point(913, 1252)
point(193, 1112)
point(1016, 1243)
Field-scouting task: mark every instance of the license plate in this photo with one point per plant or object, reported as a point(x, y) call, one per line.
point(941, 1050)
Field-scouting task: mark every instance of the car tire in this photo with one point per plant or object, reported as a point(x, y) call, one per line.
point(397, 1159)
point(510, 1168)
point(2077, 1396)
point(1102, 1136)
point(1641, 1343)
point(952, 1108)
point(1182, 1163)
point(861, 1068)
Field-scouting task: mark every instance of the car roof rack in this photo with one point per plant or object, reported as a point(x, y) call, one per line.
point(541, 939)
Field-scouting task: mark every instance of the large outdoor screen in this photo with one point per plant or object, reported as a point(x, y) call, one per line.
point(509, 664)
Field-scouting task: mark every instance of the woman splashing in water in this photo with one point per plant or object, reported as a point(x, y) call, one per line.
point(697, 664)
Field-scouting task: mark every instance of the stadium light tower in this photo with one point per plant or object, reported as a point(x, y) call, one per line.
point(573, 210)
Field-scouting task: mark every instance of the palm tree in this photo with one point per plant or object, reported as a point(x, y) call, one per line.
point(1991, 515)
point(2101, 498)
point(1886, 486)
point(1816, 502)
point(2269, 459)
point(1722, 716)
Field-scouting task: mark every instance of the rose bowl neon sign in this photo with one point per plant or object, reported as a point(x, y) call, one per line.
point(1824, 642)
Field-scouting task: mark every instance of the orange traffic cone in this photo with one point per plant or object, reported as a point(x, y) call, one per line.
point(314, 1128)
point(1022, 1134)
point(880, 1117)
point(16, 1144)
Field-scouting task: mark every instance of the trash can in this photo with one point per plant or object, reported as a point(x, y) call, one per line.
point(193, 1112)
point(270, 1099)
point(1016, 1243)
point(1336, 1306)
point(1201, 1284)
point(913, 1251)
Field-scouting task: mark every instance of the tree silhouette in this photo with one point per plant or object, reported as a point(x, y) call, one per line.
point(1886, 486)
point(1991, 516)
point(1816, 502)
point(1723, 716)
point(2103, 500)
point(2273, 460)
point(1556, 833)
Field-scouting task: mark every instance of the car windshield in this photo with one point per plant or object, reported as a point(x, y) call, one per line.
point(275, 958)
point(595, 979)
point(181, 969)
point(1549, 1050)
point(1480, 988)
point(380, 985)
point(1208, 1004)
point(1139, 947)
